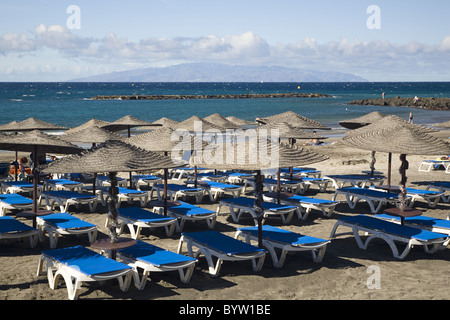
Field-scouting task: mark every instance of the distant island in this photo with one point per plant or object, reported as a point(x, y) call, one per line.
point(216, 72)
point(421, 103)
point(211, 96)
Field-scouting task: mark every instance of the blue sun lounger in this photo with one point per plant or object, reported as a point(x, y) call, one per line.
point(174, 191)
point(355, 180)
point(215, 189)
point(65, 199)
point(14, 201)
point(144, 179)
point(305, 204)
point(238, 206)
point(63, 223)
point(431, 197)
point(441, 186)
point(150, 258)
point(18, 186)
point(137, 218)
point(287, 241)
point(79, 264)
point(374, 198)
point(186, 211)
point(11, 228)
point(62, 184)
point(421, 222)
point(125, 194)
point(293, 186)
point(391, 233)
point(224, 248)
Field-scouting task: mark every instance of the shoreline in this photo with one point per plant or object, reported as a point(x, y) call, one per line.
point(211, 96)
point(441, 103)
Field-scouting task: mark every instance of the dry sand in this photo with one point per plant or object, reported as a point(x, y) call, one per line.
point(342, 275)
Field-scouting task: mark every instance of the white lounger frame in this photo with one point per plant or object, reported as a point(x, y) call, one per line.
point(185, 269)
point(317, 250)
point(74, 278)
point(65, 203)
point(390, 239)
point(214, 268)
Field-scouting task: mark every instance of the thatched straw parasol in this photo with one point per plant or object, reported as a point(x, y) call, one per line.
point(295, 120)
point(197, 124)
point(220, 121)
point(362, 121)
point(32, 124)
point(126, 123)
point(254, 152)
point(36, 141)
point(402, 139)
point(112, 156)
point(168, 141)
point(91, 134)
point(239, 122)
point(166, 122)
point(91, 123)
point(285, 130)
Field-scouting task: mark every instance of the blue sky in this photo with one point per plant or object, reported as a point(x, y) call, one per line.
point(404, 41)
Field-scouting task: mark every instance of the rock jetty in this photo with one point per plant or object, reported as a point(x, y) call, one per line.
point(214, 96)
point(422, 103)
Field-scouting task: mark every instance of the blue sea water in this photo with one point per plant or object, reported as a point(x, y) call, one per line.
point(69, 104)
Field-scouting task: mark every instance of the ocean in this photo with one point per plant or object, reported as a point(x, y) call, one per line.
point(69, 104)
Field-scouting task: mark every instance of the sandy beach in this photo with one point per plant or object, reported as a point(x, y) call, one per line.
point(343, 273)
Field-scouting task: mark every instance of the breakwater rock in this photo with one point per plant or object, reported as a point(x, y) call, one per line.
point(213, 96)
point(422, 103)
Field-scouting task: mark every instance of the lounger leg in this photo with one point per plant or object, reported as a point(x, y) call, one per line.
point(185, 276)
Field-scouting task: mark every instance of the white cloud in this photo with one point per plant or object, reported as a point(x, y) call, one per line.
point(364, 58)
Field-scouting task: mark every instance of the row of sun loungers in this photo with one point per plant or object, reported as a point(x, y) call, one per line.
point(79, 264)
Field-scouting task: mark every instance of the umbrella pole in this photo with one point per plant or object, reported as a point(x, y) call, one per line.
point(258, 204)
point(165, 191)
point(35, 178)
point(403, 167)
point(112, 206)
point(389, 170)
point(278, 186)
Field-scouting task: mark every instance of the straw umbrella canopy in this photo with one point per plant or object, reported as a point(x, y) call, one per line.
point(221, 121)
point(112, 156)
point(387, 122)
point(254, 152)
point(91, 123)
point(401, 139)
point(167, 140)
point(31, 124)
point(362, 121)
point(285, 130)
point(195, 123)
point(166, 122)
point(127, 122)
point(91, 134)
point(237, 121)
point(295, 120)
point(36, 141)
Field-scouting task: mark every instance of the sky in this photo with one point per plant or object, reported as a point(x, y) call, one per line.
point(379, 40)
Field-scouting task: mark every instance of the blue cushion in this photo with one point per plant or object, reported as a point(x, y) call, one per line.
point(152, 254)
point(69, 194)
point(14, 198)
point(85, 260)
point(393, 228)
point(141, 214)
point(281, 235)
point(64, 220)
point(9, 224)
point(222, 243)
